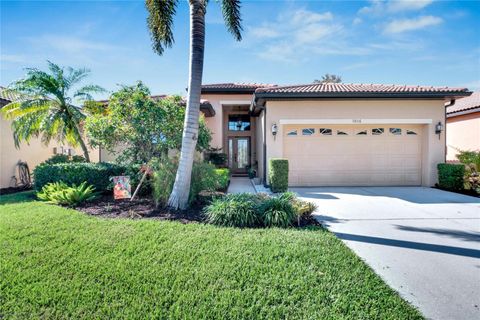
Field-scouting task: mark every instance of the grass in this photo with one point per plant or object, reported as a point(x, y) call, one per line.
point(57, 263)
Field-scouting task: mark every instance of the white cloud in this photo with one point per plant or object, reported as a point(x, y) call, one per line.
point(378, 7)
point(357, 21)
point(264, 32)
point(403, 25)
point(293, 34)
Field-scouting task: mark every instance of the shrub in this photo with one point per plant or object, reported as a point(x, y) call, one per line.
point(63, 158)
point(450, 176)
point(204, 178)
point(96, 174)
point(472, 178)
point(57, 158)
point(217, 158)
point(278, 212)
point(62, 194)
point(222, 179)
point(469, 157)
point(78, 159)
point(164, 173)
point(278, 175)
point(234, 210)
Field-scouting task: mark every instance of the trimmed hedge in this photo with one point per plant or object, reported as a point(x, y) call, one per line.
point(96, 174)
point(450, 176)
point(278, 175)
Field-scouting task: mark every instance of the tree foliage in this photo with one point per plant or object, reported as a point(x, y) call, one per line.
point(47, 108)
point(329, 78)
point(138, 128)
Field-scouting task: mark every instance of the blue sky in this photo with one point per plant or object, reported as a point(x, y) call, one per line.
point(285, 42)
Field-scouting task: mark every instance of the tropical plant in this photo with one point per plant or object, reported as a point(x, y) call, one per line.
point(469, 157)
point(160, 23)
point(45, 107)
point(63, 194)
point(138, 128)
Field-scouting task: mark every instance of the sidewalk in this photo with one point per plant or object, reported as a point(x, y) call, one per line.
point(240, 185)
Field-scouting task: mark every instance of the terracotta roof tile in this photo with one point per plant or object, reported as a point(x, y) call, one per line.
point(357, 88)
point(233, 85)
point(465, 104)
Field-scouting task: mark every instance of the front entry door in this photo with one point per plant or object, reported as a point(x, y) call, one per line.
point(238, 154)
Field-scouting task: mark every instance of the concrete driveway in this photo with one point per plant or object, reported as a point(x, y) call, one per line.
point(424, 242)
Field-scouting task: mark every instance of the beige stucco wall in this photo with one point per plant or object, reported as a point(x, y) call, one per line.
point(433, 148)
point(463, 132)
point(33, 153)
point(215, 123)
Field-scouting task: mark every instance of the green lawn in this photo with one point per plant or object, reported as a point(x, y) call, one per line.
point(59, 263)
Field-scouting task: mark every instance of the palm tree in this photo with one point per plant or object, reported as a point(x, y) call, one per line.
point(160, 23)
point(45, 109)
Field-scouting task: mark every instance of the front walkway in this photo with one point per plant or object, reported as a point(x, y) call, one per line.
point(424, 242)
point(240, 185)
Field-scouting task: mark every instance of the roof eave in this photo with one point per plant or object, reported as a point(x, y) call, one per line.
point(463, 112)
point(227, 91)
point(261, 97)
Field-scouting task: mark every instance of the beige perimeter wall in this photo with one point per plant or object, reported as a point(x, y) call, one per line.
point(33, 153)
point(433, 146)
point(463, 132)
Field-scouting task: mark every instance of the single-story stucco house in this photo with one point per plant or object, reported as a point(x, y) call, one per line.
point(333, 134)
point(463, 125)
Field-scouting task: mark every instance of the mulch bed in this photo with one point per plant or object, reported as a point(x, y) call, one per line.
point(10, 190)
point(143, 207)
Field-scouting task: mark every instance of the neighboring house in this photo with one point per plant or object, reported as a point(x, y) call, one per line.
point(463, 125)
point(32, 153)
point(333, 134)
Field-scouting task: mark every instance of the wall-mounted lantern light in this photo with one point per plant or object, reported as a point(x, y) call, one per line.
point(439, 129)
point(274, 130)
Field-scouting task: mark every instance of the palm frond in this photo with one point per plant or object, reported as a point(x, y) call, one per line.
point(232, 17)
point(85, 92)
point(160, 23)
point(19, 108)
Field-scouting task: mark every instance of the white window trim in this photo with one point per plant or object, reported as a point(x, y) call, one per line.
point(356, 121)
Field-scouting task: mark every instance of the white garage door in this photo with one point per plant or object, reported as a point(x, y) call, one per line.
point(361, 155)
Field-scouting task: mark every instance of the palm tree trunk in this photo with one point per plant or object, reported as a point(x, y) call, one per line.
point(84, 149)
point(81, 142)
point(181, 188)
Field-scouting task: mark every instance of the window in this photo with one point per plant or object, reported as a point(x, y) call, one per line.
point(411, 133)
point(377, 131)
point(308, 131)
point(362, 133)
point(239, 122)
point(396, 131)
point(292, 133)
point(341, 133)
point(325, 131)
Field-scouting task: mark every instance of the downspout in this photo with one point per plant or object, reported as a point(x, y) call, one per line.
point(264, 146)
point(452, 102)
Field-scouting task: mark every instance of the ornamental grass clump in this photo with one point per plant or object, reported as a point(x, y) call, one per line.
point(278, 212)
point(234, 210)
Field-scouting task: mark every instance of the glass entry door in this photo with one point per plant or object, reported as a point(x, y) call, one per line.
point(238, 154)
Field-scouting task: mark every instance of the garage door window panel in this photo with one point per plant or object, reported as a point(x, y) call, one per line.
point(378, 131)
point(411, 133)
point(325, 131)
point(292, 133)
point(361, 133)
point(308, 131)
point(396, 131)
